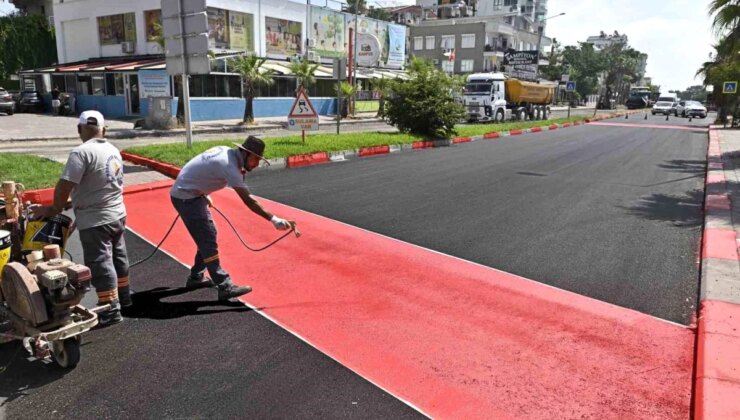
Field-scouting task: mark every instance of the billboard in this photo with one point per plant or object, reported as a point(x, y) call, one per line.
point(391, 39)
point(241, 31)
point(328, 33)
point(115, 29)
point(396, 46)
point(283, 37)
point(218, 28)
point(520, 58)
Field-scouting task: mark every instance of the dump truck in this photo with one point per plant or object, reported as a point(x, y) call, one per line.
point(496, 97)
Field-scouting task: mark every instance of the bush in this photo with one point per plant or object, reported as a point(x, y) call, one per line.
point(424, 105)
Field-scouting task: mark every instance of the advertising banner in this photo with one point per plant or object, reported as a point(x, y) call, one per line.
point(520, 58)
point(154, 83)
point(328, 33)
point(283, 36)
point(397, 46)
point(368, 50)
point(218, 28)
point(378, 29)
point(153, 24)
point(115, 29)
point(241, 30)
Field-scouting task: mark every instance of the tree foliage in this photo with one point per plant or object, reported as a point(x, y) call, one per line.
point(305, 72)
point(26, 42)
point(356, 6)
point(253, 75)
point(724, 62)
point(424, 104)
point(380, 14)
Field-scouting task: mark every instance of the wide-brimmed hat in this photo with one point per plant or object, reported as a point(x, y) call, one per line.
point(254, 146)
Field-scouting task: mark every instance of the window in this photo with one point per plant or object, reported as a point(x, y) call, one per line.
point(59, 82)
point(419, 43)
point(115, 29)
point(83, 85)
point(98, 85)
point(466, 66)
point(448, 66)
point(448, 42)
point(430, 42)
point(216, 86)
point(467, 41)
point(70, 83)
point(119, 83)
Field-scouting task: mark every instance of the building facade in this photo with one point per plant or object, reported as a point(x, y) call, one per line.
point(110, 58)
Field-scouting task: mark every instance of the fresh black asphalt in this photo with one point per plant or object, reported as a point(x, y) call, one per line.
point(183, 355)
point(613, 213)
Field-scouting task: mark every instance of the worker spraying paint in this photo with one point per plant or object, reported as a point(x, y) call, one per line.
point(210, 171)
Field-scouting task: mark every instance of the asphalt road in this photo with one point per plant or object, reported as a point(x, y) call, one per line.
point(609, 212)
point(181, 354)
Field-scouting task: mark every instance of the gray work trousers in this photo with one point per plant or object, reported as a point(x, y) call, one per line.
point(104, 250)
point(199, 222)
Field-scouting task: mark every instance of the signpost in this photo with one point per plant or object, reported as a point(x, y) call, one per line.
point(570, 87)
point(729, 87)
point(340, 73)
point(185, 26)
point(302, 115)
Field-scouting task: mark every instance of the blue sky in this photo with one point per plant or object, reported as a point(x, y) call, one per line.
point(675, 34)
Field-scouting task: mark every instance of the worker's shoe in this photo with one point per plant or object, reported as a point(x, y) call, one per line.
point(198, 282)
point(111, 316)
point(228, 290)
point(124, 297)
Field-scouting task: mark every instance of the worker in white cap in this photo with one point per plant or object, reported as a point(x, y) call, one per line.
point(93, 176)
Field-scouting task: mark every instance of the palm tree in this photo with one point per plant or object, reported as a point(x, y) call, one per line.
point(253, 76)
point(726, 18)
point(304, 72)
point(381, 86)
point(345, 90)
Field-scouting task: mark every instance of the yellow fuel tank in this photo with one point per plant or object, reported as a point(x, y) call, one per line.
point(518, 91)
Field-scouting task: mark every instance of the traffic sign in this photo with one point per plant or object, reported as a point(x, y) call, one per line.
point(729, 87)
point(302, 115)
point(185, 27)
point(570, 86)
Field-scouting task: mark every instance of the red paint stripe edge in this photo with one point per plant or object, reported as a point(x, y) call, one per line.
point(375, 150)
point(536, 129)
point(515, 132)
point(462, 140)
point(422, 145)
point(493, 135)
point(554, 127)
point(720, 244)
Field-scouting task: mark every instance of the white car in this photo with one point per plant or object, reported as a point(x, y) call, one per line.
point(662, 107)
point(694, 109)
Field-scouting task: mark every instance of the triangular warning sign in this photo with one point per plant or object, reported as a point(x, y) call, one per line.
point(302, 106)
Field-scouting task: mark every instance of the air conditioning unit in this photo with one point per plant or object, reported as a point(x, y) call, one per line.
point(128, 47)
point(311, 43)
point(312, 56)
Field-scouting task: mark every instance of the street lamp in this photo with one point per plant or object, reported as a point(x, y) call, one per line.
point(540, 30)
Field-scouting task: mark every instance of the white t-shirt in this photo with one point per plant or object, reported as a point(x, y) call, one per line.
point(97, 169)
point(210, 171)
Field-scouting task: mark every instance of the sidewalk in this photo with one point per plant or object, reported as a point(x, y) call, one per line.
point(21, 127)
point(718, 336)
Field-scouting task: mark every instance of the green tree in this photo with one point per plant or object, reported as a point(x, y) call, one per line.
point(356, 6)
point(583, 64)
point(424, 104)
point(381, 86)
point(378, 13)
point(27, 42)
point(726, 21)
point(253, 76)
point(305, 73)
point(345, 91)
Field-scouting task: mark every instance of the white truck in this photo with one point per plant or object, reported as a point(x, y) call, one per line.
point(495, 97)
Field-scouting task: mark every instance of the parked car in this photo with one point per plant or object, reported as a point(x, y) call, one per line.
point(694, 109)
point(31, 101)
point(7, 105)
point(662, 107)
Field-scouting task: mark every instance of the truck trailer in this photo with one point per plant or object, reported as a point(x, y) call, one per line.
point(495, 97)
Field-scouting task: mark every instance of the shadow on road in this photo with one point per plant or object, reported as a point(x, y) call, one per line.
point(149, 304)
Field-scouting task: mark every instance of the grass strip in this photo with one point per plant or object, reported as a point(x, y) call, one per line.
point(279, 147)
point(33, 172)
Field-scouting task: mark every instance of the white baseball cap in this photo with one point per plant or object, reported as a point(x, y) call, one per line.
point(93, 118)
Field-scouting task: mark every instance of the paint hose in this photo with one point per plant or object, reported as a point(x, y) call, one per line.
point(293, 229)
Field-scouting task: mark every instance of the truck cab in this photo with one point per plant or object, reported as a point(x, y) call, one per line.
point(484, 97)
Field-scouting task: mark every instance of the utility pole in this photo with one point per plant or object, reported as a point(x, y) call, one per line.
point(540, 31)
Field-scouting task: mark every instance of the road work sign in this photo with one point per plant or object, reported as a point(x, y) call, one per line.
point(302, 115)
point(729, 87)
point(570, 86)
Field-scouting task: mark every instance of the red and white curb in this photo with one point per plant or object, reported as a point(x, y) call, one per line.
point(717, 386)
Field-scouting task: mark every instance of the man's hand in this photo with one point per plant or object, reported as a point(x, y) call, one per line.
point(280, 224)
point(40, 212)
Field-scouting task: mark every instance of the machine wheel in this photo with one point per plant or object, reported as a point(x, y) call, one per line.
point(66, 353)
point(499, 118)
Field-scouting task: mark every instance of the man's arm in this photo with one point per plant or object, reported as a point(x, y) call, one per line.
point(62, 192)
point(253, 204)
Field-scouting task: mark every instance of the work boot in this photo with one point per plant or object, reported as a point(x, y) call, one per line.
point(228, 290)
point(198, 282)
point(111, 316)
point(124, 297)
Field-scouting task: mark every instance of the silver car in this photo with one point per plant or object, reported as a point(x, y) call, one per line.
point(694, 109)
point(662, 107)
point(7, 105)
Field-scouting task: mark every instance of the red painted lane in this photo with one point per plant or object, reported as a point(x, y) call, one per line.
point(668, 127)
point(456, 339)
